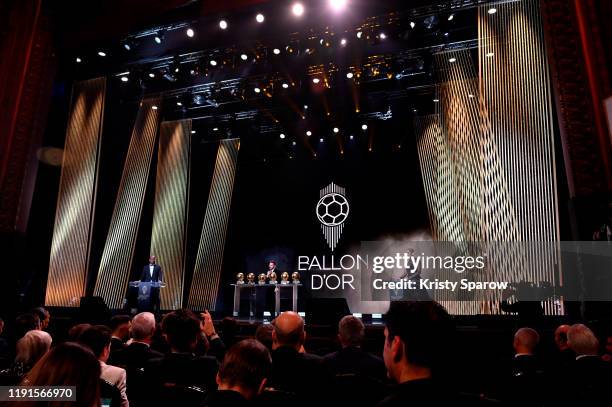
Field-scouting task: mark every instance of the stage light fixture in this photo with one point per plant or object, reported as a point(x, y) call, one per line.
point(124, 79)
point(215, 129)
point(282, 136)
point(305, 107)
point(492, 10)
point(151, 75)
point(321, 140)
point(309, 133)
point(450, 17)
point(336, 130)
point(294, 143)
point(193, 132)
point(159, 37)
point(78, 60)
point(359, 34)
point(349, 75)
point(244, 57)
point(337, 5)
point(260, 18)
point(276, 51)
point(490, 54)
point(223, 24)
point(412, 24)
point(179, 104)
point(364, 127)
point(127, 46)
point(257, 90)
point(315, 80)
point(297, 9)
point(190, 32)
point(285, 85)
point(383, 36)
point(343, 42)
point(436, 100)
point(451, 60)
point(154, 107)
point(351, 137)
point(213, 62)
point(101, 53)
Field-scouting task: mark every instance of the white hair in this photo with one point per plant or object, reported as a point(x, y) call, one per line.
point(582, 340)
point(143, 326)
point(32, 346)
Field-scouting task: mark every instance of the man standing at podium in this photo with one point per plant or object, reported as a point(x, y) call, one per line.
point(152, 273)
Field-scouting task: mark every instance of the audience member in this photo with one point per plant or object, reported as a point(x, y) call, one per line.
point(67, 364)
point(44, 316)
point(76, 331)
point(525, 385)
point(263, 334)
point(229, 330)
point(25, 323)
point(352, 358)
point(210, 343)
point(98, 339)
point(416, 335)
point(138, 353)
point(30, 349)
point(120, 327)
point(565, 355)
point(242, 374)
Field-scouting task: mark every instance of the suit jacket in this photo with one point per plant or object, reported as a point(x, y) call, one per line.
point(146, 273)
point(185, 369)
point(117, 377)
point(116, 345)
point(135, 355)
point(353, 360)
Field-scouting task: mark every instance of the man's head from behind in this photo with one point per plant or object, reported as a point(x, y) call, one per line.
point(245, 368)
point(351, 331)
point(181, 329)
point(43, 315)
point(582, 340)
point(416, 336)
point(288, 331)
point(525, 341)
point(120, 326)
point(143, 327)
point(98, 339)
point(561, 337)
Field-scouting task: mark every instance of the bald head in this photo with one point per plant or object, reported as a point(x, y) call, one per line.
point(582, 340)
point(143, 327)
point(526, 340)
point(288, 331)
point(561, 337)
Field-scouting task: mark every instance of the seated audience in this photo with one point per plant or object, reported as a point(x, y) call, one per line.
point(525, 385)
point(209, 343)
point(67, 364)
point(44, 316)
point(120, 327)
point(416, 334)
point(229, 330)
point(294, 371)
point(181, 366)
point(351, 358)
point(263, 334)
point(138, 353)
point(30, 349)
point(76, 331)
point(25, 323)
point(98, 339)
point(565, 355)
point(242, 374)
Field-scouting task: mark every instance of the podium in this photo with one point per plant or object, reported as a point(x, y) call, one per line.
point(253, 288)
point(147, 294)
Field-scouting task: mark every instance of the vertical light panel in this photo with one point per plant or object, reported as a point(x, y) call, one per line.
point(209, 261)
point(116, 262)
point(70, 246)
point(170, 213)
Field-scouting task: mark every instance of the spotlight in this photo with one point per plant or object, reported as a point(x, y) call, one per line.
point(364, 127)
point(276, 51)
point(359, 34)
point(316, 80)
point(450, 18)
point(383, 36)
point(213, 62)
point(321, 140)
point(337, 5)
point(179, 104)
point(436, 100)
point(151, 75)
point(257, 90)
point(159, 37)
point(190, 32)
point(124, 79)
point(351, 137)
point(492, 10)
point(78, 60)
point(414, 110)
point(343, 42)
point(412, 24)
point(321, 41)
point(305, 107)
point(294, 143)
point(451, 60)
point(297, 9)
point(490, 54)
point(193, 132)
point(223, 24)
point(127, 46)
point(285, 85)
point(349, 75)
point(336, 130)
point(244, 57)
point(102, 53)
point(282, 136)
point(259, 18)
point(309, 133)
point(154, 107)
point(215, 129)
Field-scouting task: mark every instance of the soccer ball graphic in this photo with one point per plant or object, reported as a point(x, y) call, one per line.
point(332, 209)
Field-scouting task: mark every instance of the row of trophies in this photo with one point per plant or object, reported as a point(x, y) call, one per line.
point(295, 278)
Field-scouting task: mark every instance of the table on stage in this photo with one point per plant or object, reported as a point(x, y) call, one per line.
point(278, 287)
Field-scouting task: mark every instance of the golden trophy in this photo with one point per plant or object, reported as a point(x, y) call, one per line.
point(273, 278)
point(240, 278)
point(295, 276)
point(262, 278)
point(285, 278)
point(251, 278)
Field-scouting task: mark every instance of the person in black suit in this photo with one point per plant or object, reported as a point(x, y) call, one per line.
point(351, 359)
point(120, 327)
point(138, 353)
point(242, 375)
point(152, 272)
point(293, 370)
point(181, 367)
point(525, 381)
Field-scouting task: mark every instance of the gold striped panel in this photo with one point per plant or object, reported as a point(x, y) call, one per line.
point(116, 262)
point(170, 213)
point(70, 245)
point(209, 260)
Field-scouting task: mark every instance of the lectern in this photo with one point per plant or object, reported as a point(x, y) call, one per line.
point(148, 294)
